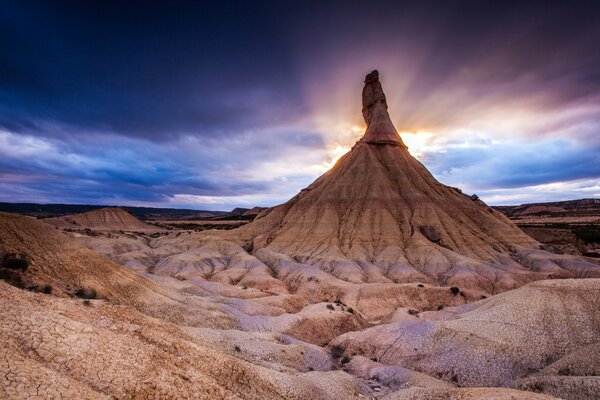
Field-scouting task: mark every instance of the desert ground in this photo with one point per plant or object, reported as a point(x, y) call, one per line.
point(375, 281)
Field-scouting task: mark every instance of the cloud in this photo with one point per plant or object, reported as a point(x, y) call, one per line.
point(217, 104)
point(492, 167)
point(134, 171)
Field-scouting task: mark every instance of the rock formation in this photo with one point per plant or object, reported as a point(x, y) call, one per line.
point(379, 216)
point(380, 129)
point(377, 231)
point(103, 219)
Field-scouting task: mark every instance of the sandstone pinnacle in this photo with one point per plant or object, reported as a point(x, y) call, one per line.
point(380, 129)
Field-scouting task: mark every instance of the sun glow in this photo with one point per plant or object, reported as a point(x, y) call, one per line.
point(418, 142)
point(336, 153)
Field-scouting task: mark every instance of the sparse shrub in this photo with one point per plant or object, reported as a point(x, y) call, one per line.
point(12, 277)
point(564, 371)
point(374, 359)
point(413, 312)
point(454, 290)
point(440, 307)
point(483, 297)
point(15, 262)
point(350, 310)
point(311, 369)
point(46, 289)
point(244, 287)
point(337, 351)
point(87, 303)
point(330, 307)
point(86, 293)
point(420, 285)
point(237, 348)
point(537, 387)
point(345, 360)
point(588, 234)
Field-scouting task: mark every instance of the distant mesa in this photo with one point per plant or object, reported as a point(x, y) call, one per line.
point(246, 212)
point(255, 211)
point(564, 227)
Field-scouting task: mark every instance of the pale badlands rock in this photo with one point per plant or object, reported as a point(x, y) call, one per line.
point(495, 341)
point(67, 266)
point(574, 376)
point(466, 394)
point(60, 348)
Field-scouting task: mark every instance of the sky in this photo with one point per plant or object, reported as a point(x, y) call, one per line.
point(215, 105)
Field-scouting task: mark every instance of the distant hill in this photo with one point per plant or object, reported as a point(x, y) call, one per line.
point(102, 219)
point(570, 227)
point(143, 213)
point(570, 208)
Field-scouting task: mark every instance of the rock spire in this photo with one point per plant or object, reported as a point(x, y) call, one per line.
point(380, 129)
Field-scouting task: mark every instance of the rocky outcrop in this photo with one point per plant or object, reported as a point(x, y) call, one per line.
point(379, 216)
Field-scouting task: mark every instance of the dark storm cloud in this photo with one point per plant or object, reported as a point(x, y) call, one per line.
point(145, 101)
point(143, 69)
